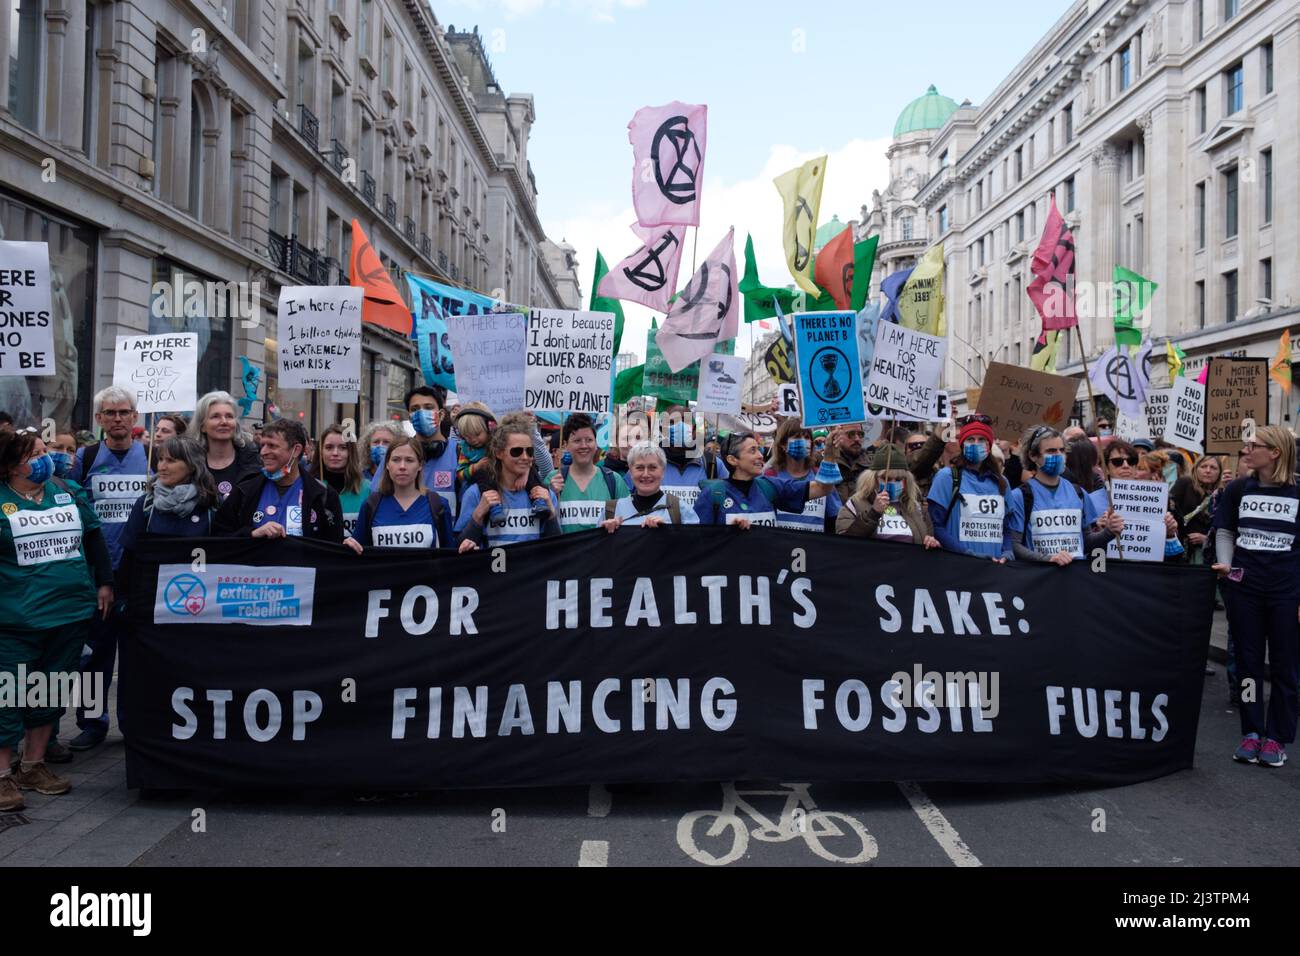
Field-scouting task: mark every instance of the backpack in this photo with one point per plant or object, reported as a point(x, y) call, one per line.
point(717, 490)
point(611, 479)
point(674, 508)
point(88, 456)
point(1027, 493)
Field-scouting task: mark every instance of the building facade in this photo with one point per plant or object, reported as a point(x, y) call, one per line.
point(220, 151)
point(1168, 131)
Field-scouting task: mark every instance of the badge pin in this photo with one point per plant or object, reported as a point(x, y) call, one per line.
point(257, 517)
point(270, 509)
point(728, 503)
point(9, 508)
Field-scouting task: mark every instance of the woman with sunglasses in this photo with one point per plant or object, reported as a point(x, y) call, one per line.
point(1257, 545)
point(746, 497)
point(403, 513)
point(1048, 516)
point(1126, 463)
point(792, 460)
point(507, 513)
point(967, 499)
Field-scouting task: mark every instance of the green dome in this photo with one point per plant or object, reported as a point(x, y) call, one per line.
point(827, 232)
point(930, 111)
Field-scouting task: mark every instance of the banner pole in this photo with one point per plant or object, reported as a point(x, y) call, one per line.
point(695, 248)
point(1092, 400)
point(149, 433)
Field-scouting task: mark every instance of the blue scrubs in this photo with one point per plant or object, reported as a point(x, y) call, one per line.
point(734, 502)
point(1060, 518)
point(519, 523)
point(974, 524)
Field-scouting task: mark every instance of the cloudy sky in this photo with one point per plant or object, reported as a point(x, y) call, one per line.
point(784, 82)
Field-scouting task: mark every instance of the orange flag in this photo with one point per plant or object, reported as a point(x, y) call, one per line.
point(833, 268)
point(1280, 367)
point(383, 304)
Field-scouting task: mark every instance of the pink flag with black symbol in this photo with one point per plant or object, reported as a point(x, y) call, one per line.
point(649, 275)
point(1052, 290)
point(668, 163)
point(706, 312)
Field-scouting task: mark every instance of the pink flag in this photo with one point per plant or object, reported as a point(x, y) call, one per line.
point(668, 163)
point(649, 275)
point(707, 311)
point(1052, 290)
point(1204, 376)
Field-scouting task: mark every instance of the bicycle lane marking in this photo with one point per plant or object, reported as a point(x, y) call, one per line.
point(944, 833)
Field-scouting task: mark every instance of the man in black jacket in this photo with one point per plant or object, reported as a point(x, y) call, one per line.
point(280, 501)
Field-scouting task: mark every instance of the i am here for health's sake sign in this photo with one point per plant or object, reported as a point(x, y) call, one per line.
point(905, 370)
point(161, 370)
point(26, 326)
point(320, 337)
point(569, 361)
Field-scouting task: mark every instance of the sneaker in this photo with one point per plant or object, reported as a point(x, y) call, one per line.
point(11, 798)
point(41, 779)
point(1272, 754)
point(87, 740)
point(56, 752)
point(1248, 750)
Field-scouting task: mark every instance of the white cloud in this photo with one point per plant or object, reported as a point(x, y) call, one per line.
point(753, 206)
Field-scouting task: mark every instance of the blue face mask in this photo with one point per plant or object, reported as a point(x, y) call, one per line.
point(567, 458)
point(377, 455)
point(42, 470)
point(426, 426)
point(1104, 432)
point(974, 452)
point(1052, 465)
point(62, 463)
point(894, 489)
point(797, 448)
point(276, 475)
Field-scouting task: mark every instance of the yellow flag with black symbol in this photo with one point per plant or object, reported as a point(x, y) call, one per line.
point(801, 191)
point(920, 304)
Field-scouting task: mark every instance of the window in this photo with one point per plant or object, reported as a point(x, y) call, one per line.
point(386, 66)
point(1020, 226)
point(1230, 296)
point(363, 27)
point(215, 331)
point(1234, 78)
point(1051, 136)
point(943, 159)
point(1200, 215)
point(1201, 109)
point(1230, 8)
point(906, 226)
point(1268, 66)
point(1266, 278)
point(1029, 150)
point(279, 208)
point(400, 380)
point(1067, 124)
point(943, 219)
point(1200, 305)
point(196, 158)
point(1069, 194)
point(1139, 243)
point(1230, 203)
point(980, 260)
point(1126, 67)
point(89, 84)
point(1266, 160)
point(25, 26)
point(1130, 160)
point(979, 194)
point(1020, 163)
point(1198, 20)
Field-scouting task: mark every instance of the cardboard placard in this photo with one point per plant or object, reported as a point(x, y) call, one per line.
point(1235, 391)
point(162, 370)
point(905, 370)
point(319, 337)
point(1017, 398)
point(26, 326)
point(569, 363)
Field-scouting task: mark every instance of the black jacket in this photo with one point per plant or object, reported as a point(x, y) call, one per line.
point(322, 514)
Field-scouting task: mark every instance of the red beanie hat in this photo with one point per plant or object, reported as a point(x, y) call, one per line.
point(975, 430)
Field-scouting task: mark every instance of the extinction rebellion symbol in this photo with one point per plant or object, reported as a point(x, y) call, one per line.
point(674, 148)
point(185, 594)
point(824, 370)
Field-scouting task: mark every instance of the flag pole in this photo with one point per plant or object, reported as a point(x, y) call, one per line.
point(695, 248)
point(1092, 400)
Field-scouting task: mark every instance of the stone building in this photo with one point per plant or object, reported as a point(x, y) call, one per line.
point(224, 148)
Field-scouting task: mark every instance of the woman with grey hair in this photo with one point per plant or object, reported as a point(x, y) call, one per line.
point(375, 440)
point(230, 454)
point(649, 505)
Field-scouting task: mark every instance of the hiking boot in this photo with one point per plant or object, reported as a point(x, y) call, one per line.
point(56, 752)
point(1272, 754)
point(1248, 749)
point(11, 797)
point(42, 779)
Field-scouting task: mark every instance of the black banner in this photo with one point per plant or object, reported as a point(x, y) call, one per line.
point(650, 656)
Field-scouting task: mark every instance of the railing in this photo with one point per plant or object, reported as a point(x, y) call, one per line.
point(442, 261)
point(410, 229)
point(338, 156)
point(368, 188)
point(308, 125)
point(277, 247)
point(426, 245)
point(390, 208)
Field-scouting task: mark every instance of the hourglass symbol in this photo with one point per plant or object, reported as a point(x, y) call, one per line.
point(828, 360)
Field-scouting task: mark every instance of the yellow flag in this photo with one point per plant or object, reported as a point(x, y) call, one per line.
point(1280, 367)
point(801, 191)
point(1174, 358)
point(920, 304)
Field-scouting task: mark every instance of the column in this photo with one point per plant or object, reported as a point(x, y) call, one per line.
point(1106, 235)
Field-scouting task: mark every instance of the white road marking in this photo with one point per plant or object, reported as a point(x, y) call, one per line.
point(594, 853)
point(599, 800)
point(943, 832)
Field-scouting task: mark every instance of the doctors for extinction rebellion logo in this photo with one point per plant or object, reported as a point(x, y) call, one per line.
point(185, 594)
point(233, 593)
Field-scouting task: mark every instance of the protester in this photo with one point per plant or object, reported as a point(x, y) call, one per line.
point(615, 460)
point(745, 497)
point(474, 425)
point(63, 452)
point(820, 438)
point(280, 501)
point(887, 505)
point(923, 455)
point(1073, 434)
point(648, 506)
point(1104, 427)
point(376, 439)
point(232, 455)
point(505, 513)
point(1190, 498)
point(426, 405)
point(340, 468)
point(792, 459)
point(403, 513)
point(846, 451)
point(1048, 516)
point(181, 500)
point(583, 486)
point(967, 499)
point(53, 583)
point(168, 426)
point(1083, 469)
point(688, 461)
point(1257, 552)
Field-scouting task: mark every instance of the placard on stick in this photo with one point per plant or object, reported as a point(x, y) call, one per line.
point(905, 370)
point(1016, 398)
point(1236, 390)
point(569, 361)
point(162, 370)
point(721, 383)
point(1185, 426)
point(488, 351)
point(320, 337)
point(1143, 504)
point(26, 326)
point(830, 378)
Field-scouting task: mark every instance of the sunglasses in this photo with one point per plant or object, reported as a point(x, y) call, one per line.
point(1131, 460)
point(974, 417)
point(517, 452)
point(915, 445)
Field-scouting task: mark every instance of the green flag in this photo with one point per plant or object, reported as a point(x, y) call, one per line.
point(864, 260)
point(1133, 294)
point(629, 384)
point(601, 304)
point(761, 300)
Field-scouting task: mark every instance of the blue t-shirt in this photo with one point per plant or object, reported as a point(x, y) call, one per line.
point(1267, 524)
point(626, 509)
point(684, 482)
point(391, 527)
point(280, 507)
point(975, 523)
point(519, 522)
point(734, 502)
point(1059, 519)
point(815, 512)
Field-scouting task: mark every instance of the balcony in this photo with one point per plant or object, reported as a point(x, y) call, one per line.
point(442, 261)
point(338, 156)
point(390, 209)
point(368, 188)
point(426, 245)
point(308, 125)
point(410, 229)
point(277, 249)
point(454, 273)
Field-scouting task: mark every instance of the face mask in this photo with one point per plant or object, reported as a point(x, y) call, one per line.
point(1171, 473)
point(426, 426)
point(276, 475)
point(676, 435)
point(1052, 465)
point(62, 463)
point(41, 470)
point(304, 465)
point(975, 452)
point(1105, 432)
point(377, 455)
point(179, 500)
point(894, 489)
point(567, 458)
point(797, 449)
